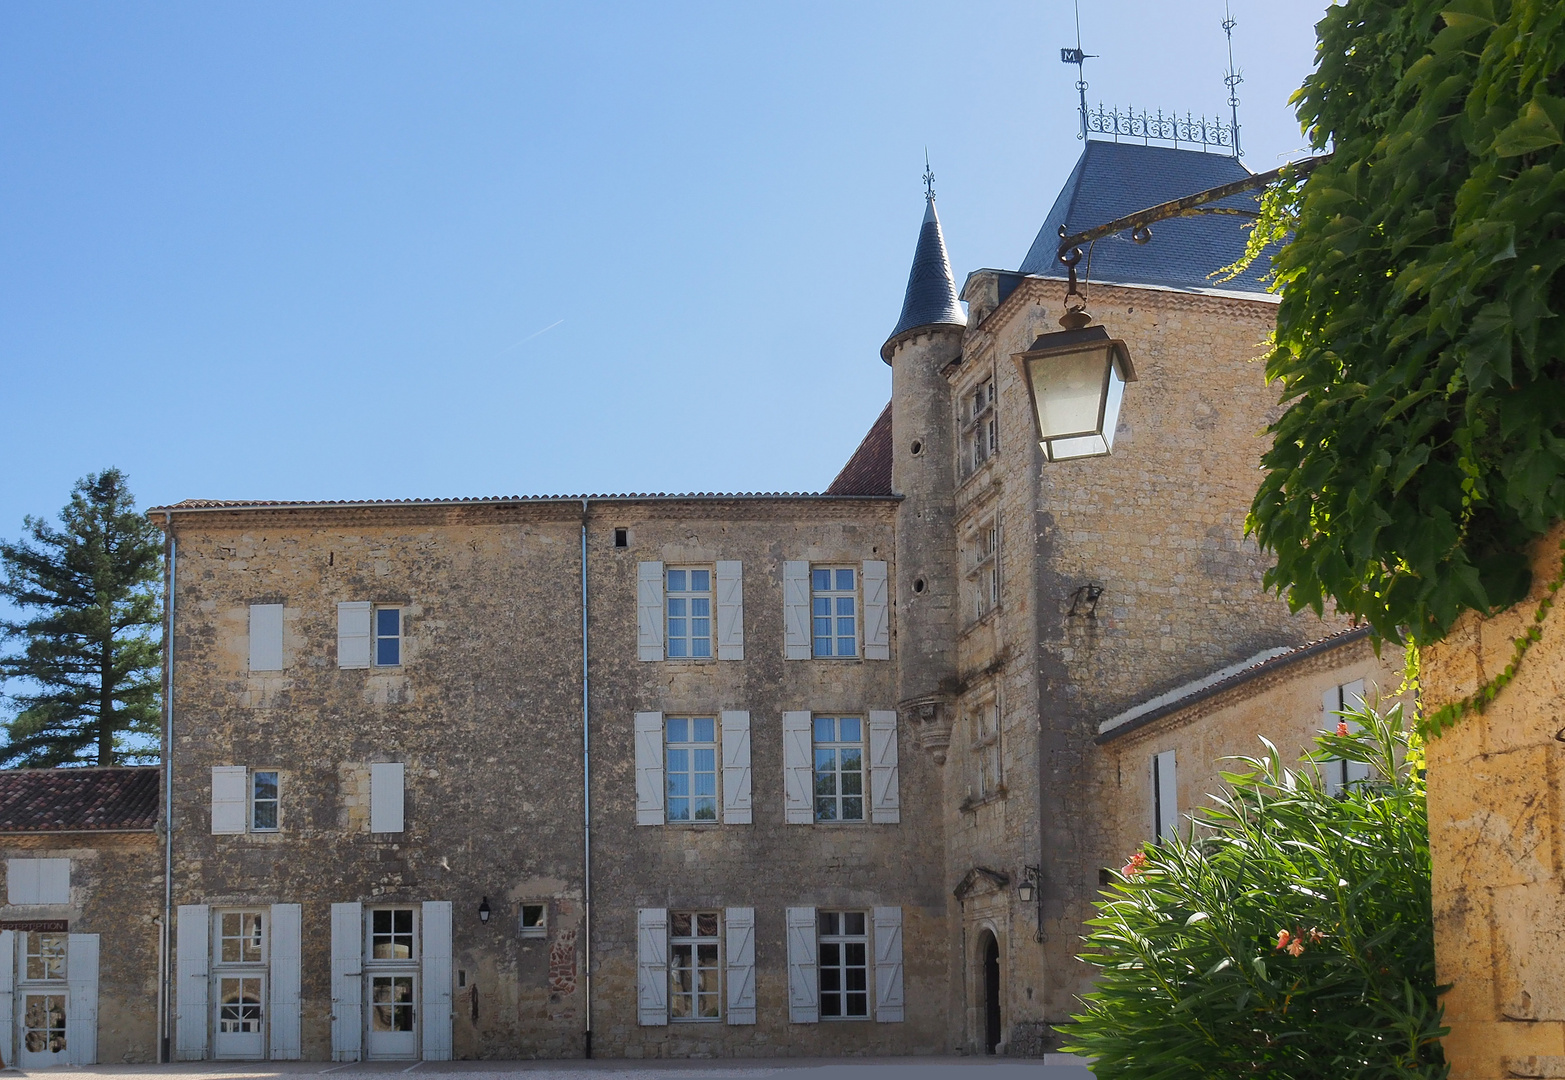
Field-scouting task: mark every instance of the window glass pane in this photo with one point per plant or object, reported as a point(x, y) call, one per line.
point(388, 622)
point(677, 728)
point(265, 815)
point(265, 785)
point(392, 997)
point(852, 728)
point(676, 581)
point(700, 580)
point(845, 580)
point(821, 580)
point(391, 935)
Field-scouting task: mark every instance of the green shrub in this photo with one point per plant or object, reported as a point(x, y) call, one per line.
point(1290, 936)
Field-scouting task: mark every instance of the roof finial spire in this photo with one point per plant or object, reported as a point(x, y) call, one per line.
point(1233, 78)
point(1079, 57)
point(929, 178)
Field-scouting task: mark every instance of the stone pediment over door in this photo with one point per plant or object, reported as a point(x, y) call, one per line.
point(981, 881)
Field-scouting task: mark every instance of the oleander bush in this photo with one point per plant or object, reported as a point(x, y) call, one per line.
point(1288, 935)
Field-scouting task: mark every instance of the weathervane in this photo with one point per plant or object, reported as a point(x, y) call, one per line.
point(1079, 58)
point(929, 178)
point(1233, 78)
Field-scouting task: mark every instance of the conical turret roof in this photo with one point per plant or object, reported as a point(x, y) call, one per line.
point(930, 299)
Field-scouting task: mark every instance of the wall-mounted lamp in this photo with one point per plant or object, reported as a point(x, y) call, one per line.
point(1029, 891)
point(483, 910)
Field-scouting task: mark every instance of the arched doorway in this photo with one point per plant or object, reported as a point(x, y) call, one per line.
point(991, 955)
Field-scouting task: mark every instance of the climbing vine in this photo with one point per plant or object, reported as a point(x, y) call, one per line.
point(1422, 361)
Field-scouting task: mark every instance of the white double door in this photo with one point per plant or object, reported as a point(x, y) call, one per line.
point(391, 981)
point(237, 982)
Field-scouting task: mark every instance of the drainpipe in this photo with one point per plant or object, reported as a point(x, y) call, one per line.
point(586, 800)
point(164, 995)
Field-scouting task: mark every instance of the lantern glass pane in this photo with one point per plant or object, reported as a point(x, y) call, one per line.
point(1116, 397)
point(1081, 446)
point(1068, 390)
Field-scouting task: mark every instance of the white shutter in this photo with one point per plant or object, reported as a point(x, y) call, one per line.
point(1353, 699)
point(885, 799)
point(796, 611)
point(266, 637)
point(283, 985)
point(190, 982)
point(730, 610)
point(652, 966)
point(1332, 770)
point(21, 881)
point(803, 993)
point(649, 611)
point(888, 965)
point(386, 796)
point(736, 768)
point(877, 612)
point(353, 633)
point(229, 803)
point(81, 1009)
point(1165, 797)
point(7, 995)
point(54, 881)
point(739, 944)
point(798, 769)
point(649, 768)
point(435, 974)
point(347, 981)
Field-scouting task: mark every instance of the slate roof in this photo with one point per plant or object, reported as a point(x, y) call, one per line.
point(868, 471)
point(931, 298)
point(1114, 179)
point(115, 799)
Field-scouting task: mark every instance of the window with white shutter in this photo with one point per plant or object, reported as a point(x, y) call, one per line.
point(387, 796)
point(230, 799)
point(798, 769)
point(652, 966)
point(266, 637)
point(1165, 797)
point(283, 983)
point(739, 944)
point(649, 768)
point(192, 947)
point(803, 987)
point(7, 992)
point(38, 881)
point(877, 612)
point(649, 611)
point(730, 610)
point(884, 781)
point(736, 767)
point(353, 633)
point(796, 610)
point(888, 964)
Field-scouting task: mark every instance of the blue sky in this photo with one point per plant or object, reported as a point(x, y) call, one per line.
point(377, 250)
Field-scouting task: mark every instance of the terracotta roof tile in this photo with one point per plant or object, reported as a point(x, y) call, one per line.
point(868, 471)
point(78, 800)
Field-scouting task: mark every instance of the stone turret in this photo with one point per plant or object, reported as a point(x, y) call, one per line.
point(927, 338)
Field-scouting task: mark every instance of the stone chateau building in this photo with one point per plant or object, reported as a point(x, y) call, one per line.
point(731, 775)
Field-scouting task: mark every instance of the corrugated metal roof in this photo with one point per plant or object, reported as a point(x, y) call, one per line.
point(114, 799)
point(1111, 180)
point(868, 471)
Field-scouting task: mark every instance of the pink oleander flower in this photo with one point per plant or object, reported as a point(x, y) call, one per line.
point(1137, 864)
point(1342, 729)
point(1283, 938)
point(1297, 947)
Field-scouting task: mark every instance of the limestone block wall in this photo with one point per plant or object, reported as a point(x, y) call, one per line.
point(116, 893)
point(1497, 836)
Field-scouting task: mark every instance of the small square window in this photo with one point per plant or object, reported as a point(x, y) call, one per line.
point(391, 934)
point(388, 637)
point(534, 920)
point(264, 802)
point(834, 624)
point(621, 538)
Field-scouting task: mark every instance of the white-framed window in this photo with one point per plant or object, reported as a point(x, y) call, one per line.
point(388, 636)
point(238, 976)
point(687, 595)
point(534, 921)
point(843, 940)
point(690, 770)
point(694, 966)
point(241, 937)
point(834, 599)
point(265, 801)
point(839, 768)
point(393, 934)
point(44, 959)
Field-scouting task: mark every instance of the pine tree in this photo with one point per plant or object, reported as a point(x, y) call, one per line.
point(89, 663)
